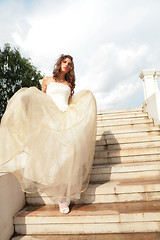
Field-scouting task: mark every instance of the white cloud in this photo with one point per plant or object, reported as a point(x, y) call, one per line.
point(117, 96)
point(55, 31)
point(110, 74)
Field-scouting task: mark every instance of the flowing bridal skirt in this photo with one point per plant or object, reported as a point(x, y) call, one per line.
point(49, 150)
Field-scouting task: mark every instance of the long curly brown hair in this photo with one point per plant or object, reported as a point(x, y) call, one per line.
point(70, 76)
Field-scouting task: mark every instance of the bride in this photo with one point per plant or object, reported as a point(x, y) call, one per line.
point(47, 138)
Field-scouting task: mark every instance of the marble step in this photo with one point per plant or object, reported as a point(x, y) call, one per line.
point(127, 132)
point(127, 159)
point(101, 173)
point(123, 115)
point(111, 191)
point(128, 167)
point(96, 178)
point(120, 111)
point(127, 152)
point(129, 140)
point(127, 129)
point(122, 118)
point(99, 236)
point(125, 146)
point(90, 219)
point(114, 122)
point(123, 135)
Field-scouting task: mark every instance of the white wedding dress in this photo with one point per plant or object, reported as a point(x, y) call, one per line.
point(59, 93)
point(47, 143)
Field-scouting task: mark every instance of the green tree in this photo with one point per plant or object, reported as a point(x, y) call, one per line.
point(15, 72)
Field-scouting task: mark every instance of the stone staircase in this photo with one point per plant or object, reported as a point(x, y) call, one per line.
point(122, 199)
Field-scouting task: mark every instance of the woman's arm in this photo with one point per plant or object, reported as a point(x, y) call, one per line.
point(45, 82)
point(44, 85)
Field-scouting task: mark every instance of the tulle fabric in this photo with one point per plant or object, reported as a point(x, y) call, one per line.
point(49, 150)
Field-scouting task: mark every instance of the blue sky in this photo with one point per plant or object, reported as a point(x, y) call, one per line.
point(111, 41)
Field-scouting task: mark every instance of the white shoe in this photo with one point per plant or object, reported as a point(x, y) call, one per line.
point(63, 207)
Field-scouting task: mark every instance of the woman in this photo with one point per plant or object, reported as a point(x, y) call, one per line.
point(48, 137)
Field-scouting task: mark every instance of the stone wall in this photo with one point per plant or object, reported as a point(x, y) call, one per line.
point(12, 199)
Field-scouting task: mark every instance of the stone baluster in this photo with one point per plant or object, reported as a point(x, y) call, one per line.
point(151, 94)
point(150, 83)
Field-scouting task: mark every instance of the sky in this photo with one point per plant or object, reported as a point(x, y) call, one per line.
point(111, 42)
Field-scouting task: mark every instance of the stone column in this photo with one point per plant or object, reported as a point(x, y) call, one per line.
point(150, 83)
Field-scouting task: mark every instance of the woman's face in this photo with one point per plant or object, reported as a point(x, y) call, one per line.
point(66, 65)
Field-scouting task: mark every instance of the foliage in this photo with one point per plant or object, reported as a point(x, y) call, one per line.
point(15, 72)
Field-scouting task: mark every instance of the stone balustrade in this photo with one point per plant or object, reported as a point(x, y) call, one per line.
point(151, 94)
point(12, 199)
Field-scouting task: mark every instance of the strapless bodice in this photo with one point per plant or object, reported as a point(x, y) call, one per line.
point(59, 93)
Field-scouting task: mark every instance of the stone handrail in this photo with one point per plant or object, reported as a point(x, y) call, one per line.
point(151, 94)
point(11, 201)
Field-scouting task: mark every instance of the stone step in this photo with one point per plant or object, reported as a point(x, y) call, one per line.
point(126, 146)
point(102, 173)
point(139, 139)
point(122, 116)
point(99, 236)
point(98, 178)
point(111, 191)
point(128, 167)
point(127, 159)
point(123, 135)
point(120, 111)
point(101, 198)
point(90, 219)
point(125, 122)
point(127, 152)
point(126, 129)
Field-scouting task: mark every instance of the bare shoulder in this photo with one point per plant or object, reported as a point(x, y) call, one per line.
point(47, 80)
